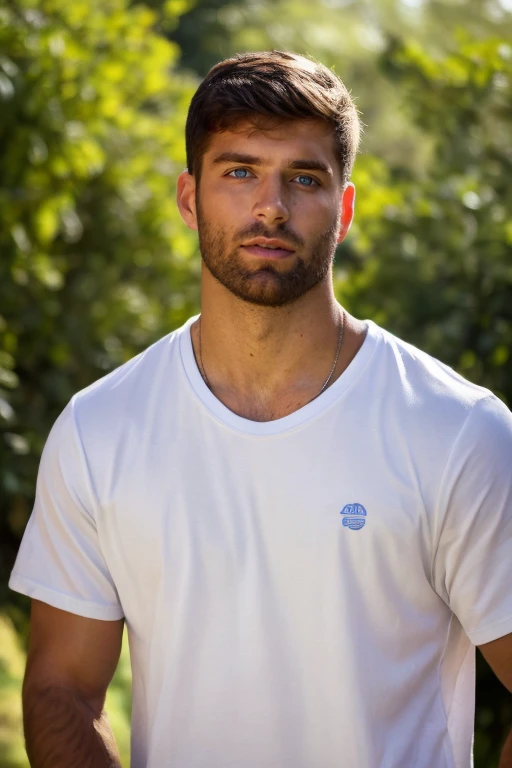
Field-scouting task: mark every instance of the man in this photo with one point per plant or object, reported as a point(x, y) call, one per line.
point(305, 523)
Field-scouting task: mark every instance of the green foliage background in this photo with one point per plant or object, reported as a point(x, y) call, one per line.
point(95, 263)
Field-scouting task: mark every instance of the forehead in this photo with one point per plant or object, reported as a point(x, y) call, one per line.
point(275, 141)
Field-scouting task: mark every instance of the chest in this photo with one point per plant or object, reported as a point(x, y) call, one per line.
point(206, 515)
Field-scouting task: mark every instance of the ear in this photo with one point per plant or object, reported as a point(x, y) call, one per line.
point(186, 199)
point(348, 200)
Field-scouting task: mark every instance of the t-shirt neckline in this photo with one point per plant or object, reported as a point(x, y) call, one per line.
point(263, 428)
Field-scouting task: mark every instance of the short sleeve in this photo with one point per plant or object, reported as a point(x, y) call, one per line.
point(60, 560)
point(472, 566)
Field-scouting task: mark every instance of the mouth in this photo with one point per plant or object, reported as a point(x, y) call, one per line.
point(268, 249)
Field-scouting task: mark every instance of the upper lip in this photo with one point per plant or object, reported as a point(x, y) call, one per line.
point(269, 243)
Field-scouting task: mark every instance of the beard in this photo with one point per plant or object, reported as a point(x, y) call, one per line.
point(271, 284)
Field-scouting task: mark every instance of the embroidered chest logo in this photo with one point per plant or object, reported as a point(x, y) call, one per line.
point(354, 516)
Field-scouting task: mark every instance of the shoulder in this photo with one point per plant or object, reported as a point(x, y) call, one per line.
point(426, 375)
point(139, 371)
point(432, 411)
point(127, 388)
point(427, 384)
point(118, 405)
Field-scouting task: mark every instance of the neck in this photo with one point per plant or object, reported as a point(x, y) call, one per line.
point(265, 362)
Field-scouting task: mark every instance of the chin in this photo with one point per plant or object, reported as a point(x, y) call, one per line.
point(269, 290)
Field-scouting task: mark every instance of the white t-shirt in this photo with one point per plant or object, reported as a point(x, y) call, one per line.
point(299, 593)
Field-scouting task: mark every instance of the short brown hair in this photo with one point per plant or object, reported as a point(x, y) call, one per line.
point(271, 85)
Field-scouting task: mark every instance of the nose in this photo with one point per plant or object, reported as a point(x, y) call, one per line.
point(271, 206)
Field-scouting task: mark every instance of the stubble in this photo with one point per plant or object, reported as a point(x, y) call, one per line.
point(272, 283)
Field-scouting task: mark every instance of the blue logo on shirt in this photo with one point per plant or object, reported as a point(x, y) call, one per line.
point(354, 516)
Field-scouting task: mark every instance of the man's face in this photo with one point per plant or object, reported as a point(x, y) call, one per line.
point(268, 210)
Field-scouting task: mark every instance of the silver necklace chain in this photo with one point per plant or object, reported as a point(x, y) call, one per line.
point(336, 356)
point(324, 385)
point(203, 371)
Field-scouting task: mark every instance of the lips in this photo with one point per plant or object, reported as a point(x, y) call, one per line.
point(268, 249)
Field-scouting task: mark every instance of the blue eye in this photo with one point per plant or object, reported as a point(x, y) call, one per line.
point(239, 173)
point(306, 181)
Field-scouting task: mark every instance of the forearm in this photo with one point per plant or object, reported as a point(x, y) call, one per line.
point(61, 730)
point(506, 754)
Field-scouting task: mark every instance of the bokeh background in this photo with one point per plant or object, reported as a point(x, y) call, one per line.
point(95, 263)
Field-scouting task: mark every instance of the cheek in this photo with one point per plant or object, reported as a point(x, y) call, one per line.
point(217, 205)
point(314, 219)
point(217, 220)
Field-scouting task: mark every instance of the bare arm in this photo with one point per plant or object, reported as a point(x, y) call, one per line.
point(498, 655)
point(71, 661)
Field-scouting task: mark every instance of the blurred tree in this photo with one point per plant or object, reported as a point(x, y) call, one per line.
point(434, 249)
point(335, 31)
point(348, 35)
point(12, 667)
point(93, 265)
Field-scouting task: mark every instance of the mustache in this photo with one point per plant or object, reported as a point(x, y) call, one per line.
point(281, 233)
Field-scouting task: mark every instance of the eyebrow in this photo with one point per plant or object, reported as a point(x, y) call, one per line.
point(301, 165)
